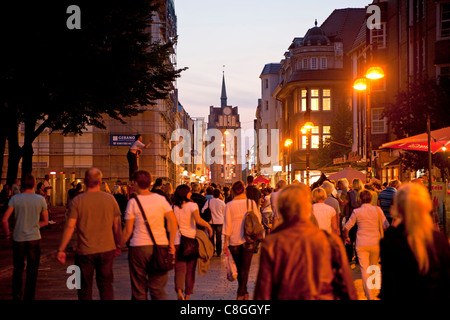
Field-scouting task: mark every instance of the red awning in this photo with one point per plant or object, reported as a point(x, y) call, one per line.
point(439, 140)
point(261, 179)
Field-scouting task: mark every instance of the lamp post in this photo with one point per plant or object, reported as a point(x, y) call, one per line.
point(306, 129)
point(288, 144)
point(364, 84)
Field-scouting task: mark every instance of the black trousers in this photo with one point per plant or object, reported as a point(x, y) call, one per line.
point(132, 163)
point(242, 256)
point(31, 251)
point(217, 233)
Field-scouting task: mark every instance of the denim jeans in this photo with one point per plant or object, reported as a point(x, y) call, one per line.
point(242, 256)
point(143, 278)
point(102, 264)
point(217, 233)
point(30, 250)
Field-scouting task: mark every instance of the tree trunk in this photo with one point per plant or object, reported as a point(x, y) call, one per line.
point(27, 161)
point(14, 154)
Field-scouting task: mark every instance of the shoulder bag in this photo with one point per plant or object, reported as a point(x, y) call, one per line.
point(206, 214)
point(162, 260)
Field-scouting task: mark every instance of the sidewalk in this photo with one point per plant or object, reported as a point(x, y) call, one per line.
point(51, 237)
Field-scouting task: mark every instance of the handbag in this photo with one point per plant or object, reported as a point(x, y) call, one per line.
point(380, 226)
point(188, 247)
point(340, 290)
point(206, 214)
point(231, 268)
point(162, 260)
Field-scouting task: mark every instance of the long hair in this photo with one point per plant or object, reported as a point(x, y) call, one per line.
point(180, 195)
point(413, 205)
point(358, 186)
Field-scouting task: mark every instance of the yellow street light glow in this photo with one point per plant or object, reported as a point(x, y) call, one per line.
point(360, 84)
point(222, 145)
point(288, 142)
point(375, 73)
point(308, 126)
point(226, 132)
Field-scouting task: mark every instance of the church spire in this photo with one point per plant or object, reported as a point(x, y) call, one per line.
point(223, 97)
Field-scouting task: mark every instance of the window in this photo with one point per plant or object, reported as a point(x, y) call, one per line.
point(444, 23)
point(323, 63)
point(326, 100)
point(326, 133)
point(313, 63)
point(267, 105)
point(378, 36)
point(314, 100)
point(266, 83)
point(378, 123)
point(315, 138)
point(304, 96)
point(305, 64)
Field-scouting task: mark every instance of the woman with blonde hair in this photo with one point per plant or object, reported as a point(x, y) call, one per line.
point(415, 258)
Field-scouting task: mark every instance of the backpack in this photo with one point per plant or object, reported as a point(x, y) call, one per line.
point(253, 229)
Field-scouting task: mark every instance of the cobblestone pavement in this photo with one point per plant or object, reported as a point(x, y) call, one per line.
point(212, 286)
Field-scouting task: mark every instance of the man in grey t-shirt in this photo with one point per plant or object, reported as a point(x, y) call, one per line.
point(30, 215)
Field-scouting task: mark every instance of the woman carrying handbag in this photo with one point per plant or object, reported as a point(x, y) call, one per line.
point(145, 219)
point(187, 215)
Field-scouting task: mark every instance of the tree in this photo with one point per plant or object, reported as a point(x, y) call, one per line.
point(408, 114)
point(340, 139)
point(64, 79)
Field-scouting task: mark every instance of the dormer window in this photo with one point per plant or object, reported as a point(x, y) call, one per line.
point(305, 64)
point(323, 63)
point(314, 64)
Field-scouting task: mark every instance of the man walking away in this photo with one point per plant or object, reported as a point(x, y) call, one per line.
point(30, 214)
point(97, 219)
point(386, 199)
point(217, 207)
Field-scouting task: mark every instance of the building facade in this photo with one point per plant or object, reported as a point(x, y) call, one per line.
point(224, 154)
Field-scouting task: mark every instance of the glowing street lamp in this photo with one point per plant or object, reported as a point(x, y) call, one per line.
point(362, 84)
point(306, 129)
point(288, 144)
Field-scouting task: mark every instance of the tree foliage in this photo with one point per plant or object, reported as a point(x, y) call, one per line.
point(61, 79)
point(408, 114)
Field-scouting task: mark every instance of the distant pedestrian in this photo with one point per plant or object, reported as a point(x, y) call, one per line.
point(354, 203)
point(277, 218)
point(96, 217)
point(415, 258)
point(188, 216)
point(233, 230)
point(370, 219)
point(159, 214)
point(16, 187)
point(324, 214)
point(332, 201)
point(217, 207)
point(298, 260)
point(30, 212)
point(386, 198)
point(48, 189)
point(266, 210)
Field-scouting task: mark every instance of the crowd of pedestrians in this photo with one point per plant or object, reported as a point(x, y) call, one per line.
point(312, 236)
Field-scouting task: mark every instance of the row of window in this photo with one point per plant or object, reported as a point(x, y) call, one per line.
point(314, 63)
point(316, 137)
point(319, 99)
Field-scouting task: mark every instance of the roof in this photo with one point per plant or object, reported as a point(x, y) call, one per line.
point(360, 38)
point(342, 22)
point(329, 74)
point(271, 68)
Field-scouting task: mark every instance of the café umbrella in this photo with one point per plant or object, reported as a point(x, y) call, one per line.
point(440, 142)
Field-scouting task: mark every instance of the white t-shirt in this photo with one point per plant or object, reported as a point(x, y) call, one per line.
point(155, 207)
point(323, 213)
point(186, 221)
point(235, 212)
point(217, 207)
point(136, 145)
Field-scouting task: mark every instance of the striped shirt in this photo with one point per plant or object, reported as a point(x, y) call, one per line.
point(386, 199)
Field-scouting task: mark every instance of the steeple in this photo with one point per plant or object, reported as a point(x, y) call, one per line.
point(223, 98)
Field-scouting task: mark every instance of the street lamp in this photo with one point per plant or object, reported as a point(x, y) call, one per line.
point(306, 129)
point(364, 84)
point(288, 144)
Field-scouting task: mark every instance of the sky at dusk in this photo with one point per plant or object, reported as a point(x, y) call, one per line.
point(243, 35)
